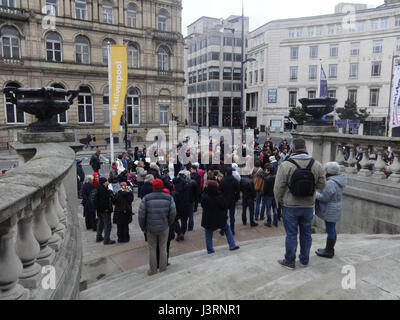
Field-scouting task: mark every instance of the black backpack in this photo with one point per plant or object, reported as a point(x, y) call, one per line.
point(93, 198)
point(302, 183)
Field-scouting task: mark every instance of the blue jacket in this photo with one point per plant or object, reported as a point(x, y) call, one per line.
point(329, 204)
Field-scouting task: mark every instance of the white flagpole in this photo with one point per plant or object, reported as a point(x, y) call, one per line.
point(109, 106)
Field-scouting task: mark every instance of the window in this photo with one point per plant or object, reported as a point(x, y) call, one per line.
point(294, 53)
point(376, 68)
point(333, 71)
point(398, 44)
point(377, 46)
point(353, 70)
point(374, 97)
point(238, 57)
point(228, 41)
point(163, 59)
point(292, 98)
point(82, 50)
point(293, 73)
point(375, 24)
point(238, 42)
point(104, 50)
point(162, 21)
point(250, 77)
point(213, 56)
point(85, 105)
point(12, 114)
point(106, 106)
point(62, 117)
point(384, 23)
point(163, 115)
point(397, 21)
point(352, 95)
point(312, 94)
point(8, 3)
point(299, 32)
point(213, 86)
point(10, 43)
point(81, 9)
point(204, 74)
point(332, 93)
point(52, 7)
point(200, 73)
point(107, 12)
point(213, 73)
point(53, 47)
point(132, 16)
point(133, 106)
point(311, 31)
point(227, 86)
point(319, 31)
point(339, 28)
point(314, 52)
point(291, 33)
point(360, 26)
point(331, 28)
point(237, 74)
point(194, 77)
point(334, 50)
point(312, 74)
point(355, 48)
point(227, 73)
point(227, 56)
point(214, 41)
point(262, 75)
point(256, 76)
point(133, 56)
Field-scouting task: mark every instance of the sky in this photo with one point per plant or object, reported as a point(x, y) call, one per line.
point(260, 11)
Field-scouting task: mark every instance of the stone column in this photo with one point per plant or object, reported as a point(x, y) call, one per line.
point(56, 208)
point(364, 163)
point(63, 197)
point(53, 222)
point(42, 232)
point(340, 156)
point(28, 249)
point(380, 164)
point(351, 169)
point(10, 265)
point(395, 167)
point(61, 212)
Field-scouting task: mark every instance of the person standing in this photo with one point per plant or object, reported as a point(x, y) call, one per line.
point(295, 188)
point(140, 176)
point(80, 175)
point(269, 199)
point(147, 186)
point(95, 162)
point(248, 196)
point(181, 195)
point(329, 206)
point(123, 212)
point(104, 207)
point(157, 213)
point(88, 211)
point(113, 178)
point(230, 189)
point(215, 216)
point(257, 176)
point(195, 175)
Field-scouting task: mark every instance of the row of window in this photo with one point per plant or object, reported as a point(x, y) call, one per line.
point(212, 73)
point(214, 41)
point(214, 86)
point(376, 68)
point(214, 56)
point(339, 28)
point(86, 107)
point(377, 47)
point(10, 49)
point(256, 73)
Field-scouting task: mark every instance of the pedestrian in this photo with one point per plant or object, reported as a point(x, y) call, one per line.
point(95, 162)
point(140, 176)
point(257, 176)
point(194, 193)
point(248, 197)
point(119, 163)
point(268, 196)
point(154, 170)
point(181, 195)
point(215, 216)
point(148, 185)
point(157, 213)
point(235, 172)
point(195, 175)
point(96, 178)
point(329, 206)
point(80, 176)
point(296, 183)
point(113, 178)
point(230, 189)
point(123, 212)
point(104, 207)
point(88, 211)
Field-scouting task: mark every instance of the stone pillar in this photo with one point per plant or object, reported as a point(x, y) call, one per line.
point(42, 232)
point(340, 156)
point(380, 164)
point(10, 265)
point(56, 208)
point(351, 169)
point(53, 222)
point(364, 163)
point(28, 249)
point(61, 212)
point(395, 167)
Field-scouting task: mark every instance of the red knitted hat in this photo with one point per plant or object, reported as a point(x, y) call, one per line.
point(158, 184)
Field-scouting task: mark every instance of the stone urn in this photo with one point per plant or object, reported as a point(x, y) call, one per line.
point(318, 108)
point(44, 103)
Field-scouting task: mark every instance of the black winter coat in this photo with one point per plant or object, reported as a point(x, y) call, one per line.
point(123, 207)
point(154, 172)
point(181, 196)
point(80, 173)
point(95, 162)
point(214, 212)
point(269, 182)
point(230, 190)
point(113, 176)
point(104, 199)
point(247, 188)
point(87, 207)
point(146, 189)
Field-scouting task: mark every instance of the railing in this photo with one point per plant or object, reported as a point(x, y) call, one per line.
point(39, 228)
point(168, 36)
point(14, 12)
point(11, 61)
point(164, 73)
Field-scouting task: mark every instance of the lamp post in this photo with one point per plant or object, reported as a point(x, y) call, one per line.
point(388, 130)
point(233, 67)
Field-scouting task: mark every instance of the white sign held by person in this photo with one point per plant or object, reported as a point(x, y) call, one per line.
point(395, 118)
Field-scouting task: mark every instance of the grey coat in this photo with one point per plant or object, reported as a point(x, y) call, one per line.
point(141, 174)
point(157, 212)
point(329, 204)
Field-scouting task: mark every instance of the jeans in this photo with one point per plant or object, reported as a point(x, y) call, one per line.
point(248, 203)
point(258, 201)
point(104, 222)
point(293, 219)
point(140, 186)
point(232, 211)
point(191, 219)
point(269, 202)
point(330, 228)
point(229, 238)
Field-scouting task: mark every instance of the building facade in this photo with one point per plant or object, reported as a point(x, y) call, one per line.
point(356, 51)
point(63, 43)
point(213, 57)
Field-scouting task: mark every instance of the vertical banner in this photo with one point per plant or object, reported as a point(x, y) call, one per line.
point(395, 120)
point(118, 77)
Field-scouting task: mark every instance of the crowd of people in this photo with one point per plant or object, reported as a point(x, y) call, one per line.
point(286, 185)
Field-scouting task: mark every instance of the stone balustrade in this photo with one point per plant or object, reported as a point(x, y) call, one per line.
point(39, 229)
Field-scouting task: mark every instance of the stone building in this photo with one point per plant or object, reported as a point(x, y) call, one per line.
point(356, 50)
point(63, 43)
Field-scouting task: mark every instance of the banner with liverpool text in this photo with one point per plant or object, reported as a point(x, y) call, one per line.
point(118, 78)
point(395, 118)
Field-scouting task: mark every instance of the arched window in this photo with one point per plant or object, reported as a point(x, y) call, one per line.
point(163, 59)
point(162, 21)
point(81, 9)
point(52, 7)
point(8, 3)
point(107, 12)
point(104, 50)
point(82, 50)
point(133, 106)
point(12, 114)
point(10, 43)
point(133, 55)
point(85, 105)
point(132, 16)
point(53, 47)
point(62, 117)
point(106, 105)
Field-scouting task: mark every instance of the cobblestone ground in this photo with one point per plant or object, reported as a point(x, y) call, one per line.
point(100, 261)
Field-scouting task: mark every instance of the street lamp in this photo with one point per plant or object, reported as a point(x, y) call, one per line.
point(388, 130)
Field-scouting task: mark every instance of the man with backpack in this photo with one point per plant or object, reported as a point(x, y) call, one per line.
point(296, 183)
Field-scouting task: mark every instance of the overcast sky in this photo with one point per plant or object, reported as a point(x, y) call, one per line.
point(260, 11)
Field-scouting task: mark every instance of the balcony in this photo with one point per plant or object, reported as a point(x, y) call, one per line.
point(13, 13)
point(163, 73)
point(11, 61)
point(165, 36)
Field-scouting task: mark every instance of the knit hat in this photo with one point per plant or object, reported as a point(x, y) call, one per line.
point(332, 168)
point(158, 184)
point(166, 191)
point(102, 180)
